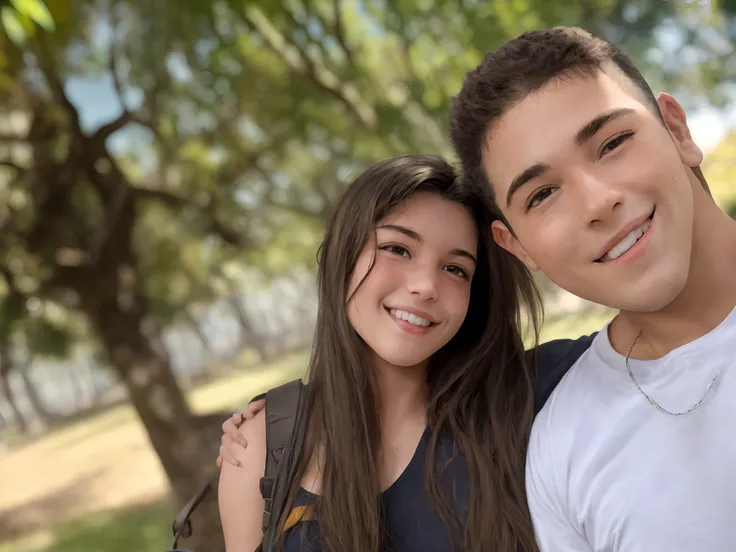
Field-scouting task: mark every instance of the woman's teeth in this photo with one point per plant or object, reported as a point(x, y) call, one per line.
point(627, 243)
point(411, 318)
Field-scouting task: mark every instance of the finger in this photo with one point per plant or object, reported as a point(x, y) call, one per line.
point(254, 408)
point(228, 456)
point(227, 426)
point(231, 431)
point(230, 439)
point(219, 461)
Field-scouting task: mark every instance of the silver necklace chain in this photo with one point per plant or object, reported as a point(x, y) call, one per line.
point(654, 403)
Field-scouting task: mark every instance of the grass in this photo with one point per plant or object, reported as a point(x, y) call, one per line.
point(97, 485)
point(139, 528)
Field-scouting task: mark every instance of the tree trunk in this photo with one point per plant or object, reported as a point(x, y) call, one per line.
point(174, 433)
point(89, 372)
point(39, 408)
point(7, 392)
point(248, 336)
point(83, 394)
point(6, 367)
point(194, 325)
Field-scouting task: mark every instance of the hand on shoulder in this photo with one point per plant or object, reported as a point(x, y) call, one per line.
point(232, 438)
point(240, 500)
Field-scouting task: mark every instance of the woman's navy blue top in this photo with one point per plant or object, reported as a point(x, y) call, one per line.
point(412, 524)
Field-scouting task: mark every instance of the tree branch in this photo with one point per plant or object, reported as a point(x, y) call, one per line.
point(225, 233)
point(167, 198)
point(213, 224)
point(113, 57)
point(11, 165)
point(9, 278)
point(11, 139)
point(296, 209)
point(56, 85)
point(108, 129)
point(340, 31)
point(348, 95)
point(270, 200)
point(67, 277)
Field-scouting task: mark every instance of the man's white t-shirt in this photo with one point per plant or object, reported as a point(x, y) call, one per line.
point(606, 471)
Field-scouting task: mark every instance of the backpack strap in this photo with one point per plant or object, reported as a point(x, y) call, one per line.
point(182, 526)
point(285, 428)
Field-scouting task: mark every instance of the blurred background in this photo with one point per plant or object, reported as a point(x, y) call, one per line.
point(165, 170)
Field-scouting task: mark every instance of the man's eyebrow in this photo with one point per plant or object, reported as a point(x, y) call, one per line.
point(415, 236)
point(590, 129)
point(534, 171)
point(583, 135)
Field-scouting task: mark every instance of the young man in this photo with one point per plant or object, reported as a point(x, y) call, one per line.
point(598, 185)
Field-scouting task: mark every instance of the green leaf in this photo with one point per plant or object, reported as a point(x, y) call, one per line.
point(12, 25)
point(37, 11)
point(47, 339)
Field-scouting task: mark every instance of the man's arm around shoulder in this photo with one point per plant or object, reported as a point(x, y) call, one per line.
point(553, 360)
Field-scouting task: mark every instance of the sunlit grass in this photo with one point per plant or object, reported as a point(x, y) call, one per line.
point(140, 528)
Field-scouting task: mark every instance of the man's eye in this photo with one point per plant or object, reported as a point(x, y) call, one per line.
point(538, 198)
point(612, 144)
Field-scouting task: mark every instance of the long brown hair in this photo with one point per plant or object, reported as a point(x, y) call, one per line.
point(480, 385)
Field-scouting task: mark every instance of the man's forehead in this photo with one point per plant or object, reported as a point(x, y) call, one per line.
point(548, 120)
point(569, 93)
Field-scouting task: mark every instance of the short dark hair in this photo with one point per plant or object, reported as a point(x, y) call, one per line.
point(520, 67)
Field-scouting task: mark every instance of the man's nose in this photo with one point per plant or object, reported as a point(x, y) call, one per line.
point(599, 199)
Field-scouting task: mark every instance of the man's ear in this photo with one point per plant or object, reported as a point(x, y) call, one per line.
point(503, 237)
point(676, 121)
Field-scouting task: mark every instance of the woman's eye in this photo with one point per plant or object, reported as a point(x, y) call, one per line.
point(615, 142)
point(395, 249)
point(539, 197)
point(457, 271)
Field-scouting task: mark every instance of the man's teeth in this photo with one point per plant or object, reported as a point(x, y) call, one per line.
point(627, 243)
point(409, 317)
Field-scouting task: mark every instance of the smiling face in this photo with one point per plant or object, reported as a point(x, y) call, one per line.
point(598, 192)
point(415, 298)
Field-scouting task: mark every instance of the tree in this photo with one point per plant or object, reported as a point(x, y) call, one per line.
point(719, 168)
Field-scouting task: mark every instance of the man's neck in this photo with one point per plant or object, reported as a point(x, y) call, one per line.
point(707, 299)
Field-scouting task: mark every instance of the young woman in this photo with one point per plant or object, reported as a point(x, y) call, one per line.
point(417, 347)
